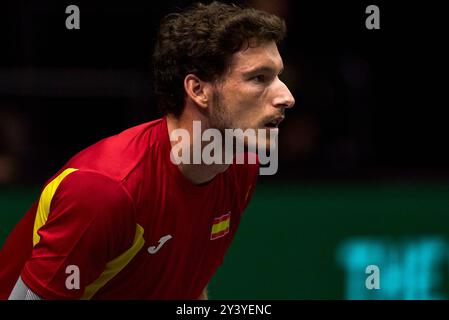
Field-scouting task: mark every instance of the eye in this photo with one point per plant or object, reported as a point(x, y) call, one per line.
point(259, 78)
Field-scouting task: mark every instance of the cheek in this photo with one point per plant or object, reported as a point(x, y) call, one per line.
point(245, 104)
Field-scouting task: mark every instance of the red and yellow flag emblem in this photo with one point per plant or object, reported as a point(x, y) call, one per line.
point(220, 226)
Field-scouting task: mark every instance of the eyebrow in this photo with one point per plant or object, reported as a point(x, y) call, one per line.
point(262, 69)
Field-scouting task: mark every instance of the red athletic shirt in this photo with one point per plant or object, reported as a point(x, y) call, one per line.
point(122, 216)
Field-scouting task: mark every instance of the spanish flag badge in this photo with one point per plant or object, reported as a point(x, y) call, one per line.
point(220, 227)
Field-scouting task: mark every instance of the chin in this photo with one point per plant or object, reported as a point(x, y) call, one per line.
point(263, 138)
point(265, 142)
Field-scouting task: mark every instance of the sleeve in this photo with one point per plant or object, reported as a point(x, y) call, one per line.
point(90, 222)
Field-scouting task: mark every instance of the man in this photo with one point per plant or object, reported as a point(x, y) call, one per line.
point(120, 220)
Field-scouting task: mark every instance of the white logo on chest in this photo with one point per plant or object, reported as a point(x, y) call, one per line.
point(164, 239)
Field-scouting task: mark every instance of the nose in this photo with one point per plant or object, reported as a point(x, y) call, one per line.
point(284, 98)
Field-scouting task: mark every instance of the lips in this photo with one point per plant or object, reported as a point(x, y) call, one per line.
point(274, 123)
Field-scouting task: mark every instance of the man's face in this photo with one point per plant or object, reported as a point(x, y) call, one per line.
point(251, 95)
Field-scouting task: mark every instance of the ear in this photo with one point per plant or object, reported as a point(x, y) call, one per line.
point(198, 90)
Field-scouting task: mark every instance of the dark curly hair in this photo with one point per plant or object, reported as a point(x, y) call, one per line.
point(201, 41)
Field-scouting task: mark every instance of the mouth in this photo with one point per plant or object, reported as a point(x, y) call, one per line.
point(274, 123)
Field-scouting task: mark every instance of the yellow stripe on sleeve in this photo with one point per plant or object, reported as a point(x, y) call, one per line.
point(43, 209)
point(115, 266)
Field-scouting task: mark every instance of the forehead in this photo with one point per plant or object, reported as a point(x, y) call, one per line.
point(256, 56)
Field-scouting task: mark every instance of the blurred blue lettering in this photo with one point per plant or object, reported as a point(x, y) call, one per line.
point(411, 268)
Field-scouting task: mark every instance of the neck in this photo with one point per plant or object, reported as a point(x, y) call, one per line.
point(196, 173)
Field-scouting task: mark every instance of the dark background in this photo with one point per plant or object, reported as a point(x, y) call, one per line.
point(363, 155)
point(369, 102)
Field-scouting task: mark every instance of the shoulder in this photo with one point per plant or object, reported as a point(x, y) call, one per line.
point(89, 188)
point(83, 218)
point(87, 204)
point(91, 194)
point(117, 156)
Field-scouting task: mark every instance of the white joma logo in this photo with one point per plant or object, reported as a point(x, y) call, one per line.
point(164, 239)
